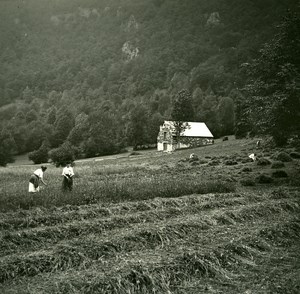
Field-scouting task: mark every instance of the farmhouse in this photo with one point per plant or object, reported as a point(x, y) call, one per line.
point(193, 134)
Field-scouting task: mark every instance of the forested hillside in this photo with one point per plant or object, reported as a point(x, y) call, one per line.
point(97, 75)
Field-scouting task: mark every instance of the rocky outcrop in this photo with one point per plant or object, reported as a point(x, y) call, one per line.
point(214, 19)
point(87, 12)
point(132, 24)
point(80, 13)
point(129, 51)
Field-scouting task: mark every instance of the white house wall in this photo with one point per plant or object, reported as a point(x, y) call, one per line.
point(160, 147)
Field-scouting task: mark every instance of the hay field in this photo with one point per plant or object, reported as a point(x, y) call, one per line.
point(156, 223)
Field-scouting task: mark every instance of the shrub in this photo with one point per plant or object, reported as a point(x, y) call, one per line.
point(64, 154)
point(179, 165)
point(40, 155)
point(279, 193)
point(263, 161)
point(214, 162)
point(264, 179)
point(193, 158)
point(295, 154)
point(246, 169)
point(279, 174)
point(247, 182)
point(230, 162)
point(7, 148)
point(283, 156)
point(277, 164)
point(182, 160)
point(134, 153)
point(123, 150)
point(246, 160)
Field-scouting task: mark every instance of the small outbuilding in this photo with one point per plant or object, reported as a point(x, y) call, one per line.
point(194, 134)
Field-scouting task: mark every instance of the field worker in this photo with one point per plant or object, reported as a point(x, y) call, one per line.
point(252, 156)
point(35, 178)
point(258, 143)
point(68, 174)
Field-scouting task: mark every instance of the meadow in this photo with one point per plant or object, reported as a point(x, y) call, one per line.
point(151, 222)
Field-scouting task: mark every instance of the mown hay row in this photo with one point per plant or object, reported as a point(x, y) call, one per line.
point(40, 216)
point(283, 233)
point(260, 210)
point(133, 276)
point(61, 215)
point(34, 238)
point(84, 251)
point(157, 273)
point(44, 237)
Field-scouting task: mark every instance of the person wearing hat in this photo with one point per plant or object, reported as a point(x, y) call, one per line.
point(67, 174)
point(35, 179)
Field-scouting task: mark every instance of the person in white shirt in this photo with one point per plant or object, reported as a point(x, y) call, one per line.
point(35, 179)
point(68, 174)
point(253, 156)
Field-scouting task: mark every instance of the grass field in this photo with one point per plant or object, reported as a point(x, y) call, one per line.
point(156, 223)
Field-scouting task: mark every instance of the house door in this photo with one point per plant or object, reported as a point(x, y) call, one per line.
point(165, 146)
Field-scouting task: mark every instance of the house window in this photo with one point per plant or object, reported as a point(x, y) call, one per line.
point(165, 135)
point(165, 146)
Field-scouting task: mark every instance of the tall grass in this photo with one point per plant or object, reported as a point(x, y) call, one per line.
point(93, 185)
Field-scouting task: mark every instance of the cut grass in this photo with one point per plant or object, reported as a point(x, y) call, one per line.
point(242, 242)
point(164, 209)
point(61, 215)
point(76, 253)
point(145, 272)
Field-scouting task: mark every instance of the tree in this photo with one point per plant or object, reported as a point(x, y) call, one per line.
point(102, 134)
point(63, 125)
point(37, 132)
point(208, 113)
point(7, 148)
point(31, 116)
point(51, 117)
point(137, 129)
point(40, 155)
point(197, 98)
point(242, 124)
point(20, 135)
point(156, 120)
point(182, 112)
point(27, 95)
point(64, 154)
point(226, 116)
point(80, 130)
point(273, 99)
point(182, 107)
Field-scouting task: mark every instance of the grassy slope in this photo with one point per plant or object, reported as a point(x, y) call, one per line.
point(239, 242)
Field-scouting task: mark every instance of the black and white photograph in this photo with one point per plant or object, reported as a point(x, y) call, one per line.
point(149, 146)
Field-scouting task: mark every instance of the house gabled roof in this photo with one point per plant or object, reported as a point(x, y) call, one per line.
point(194, 129)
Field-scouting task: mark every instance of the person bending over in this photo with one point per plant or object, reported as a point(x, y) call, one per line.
point(35, 179)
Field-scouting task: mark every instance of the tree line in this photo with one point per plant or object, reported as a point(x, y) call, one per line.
point(106, 130)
